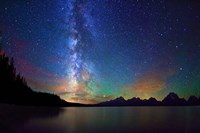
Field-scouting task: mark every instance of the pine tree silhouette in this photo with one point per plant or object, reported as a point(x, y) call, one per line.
point(14, 88)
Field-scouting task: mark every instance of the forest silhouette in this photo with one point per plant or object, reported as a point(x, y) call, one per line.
point(14, 88)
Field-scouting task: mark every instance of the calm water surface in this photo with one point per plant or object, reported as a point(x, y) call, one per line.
point(100, 119)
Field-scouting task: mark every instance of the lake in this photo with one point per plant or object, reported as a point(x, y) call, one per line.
point(19, 119)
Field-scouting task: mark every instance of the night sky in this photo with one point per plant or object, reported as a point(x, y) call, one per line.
point(90, 51)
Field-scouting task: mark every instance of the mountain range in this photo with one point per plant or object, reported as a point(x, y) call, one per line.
point(172, 99)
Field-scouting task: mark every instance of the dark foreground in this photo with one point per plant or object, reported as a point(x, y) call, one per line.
point(19, 119)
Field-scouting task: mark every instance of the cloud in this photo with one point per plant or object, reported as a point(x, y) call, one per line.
point(82, 100)
point(87, 99)
point(37, 77)
point(152, 81)
point(98, 85)
point(27, 68)
point(20, 45)
point(35, 84)
point(81, 93)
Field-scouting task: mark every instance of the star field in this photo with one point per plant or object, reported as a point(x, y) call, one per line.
point(90, 51)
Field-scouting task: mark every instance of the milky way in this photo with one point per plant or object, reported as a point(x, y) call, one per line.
point(80, 74)
point(77, 64)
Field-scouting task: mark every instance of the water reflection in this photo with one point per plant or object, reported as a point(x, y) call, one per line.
point(115, 119)
point(13, 117)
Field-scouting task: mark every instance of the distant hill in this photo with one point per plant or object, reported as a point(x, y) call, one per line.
point(14, 89)
point(193, 100)
point(171, 99)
